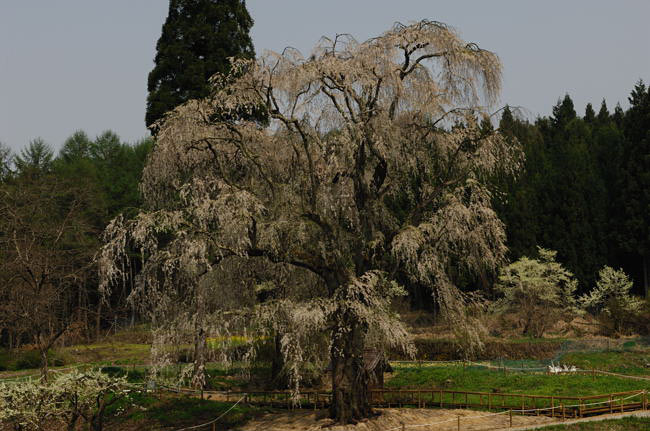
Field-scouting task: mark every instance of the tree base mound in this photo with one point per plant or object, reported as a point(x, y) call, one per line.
point(391, 418)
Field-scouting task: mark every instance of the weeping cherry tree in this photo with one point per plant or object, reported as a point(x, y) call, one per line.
point(371, 169)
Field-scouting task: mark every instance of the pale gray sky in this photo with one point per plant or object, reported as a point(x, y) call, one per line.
point(83, 64)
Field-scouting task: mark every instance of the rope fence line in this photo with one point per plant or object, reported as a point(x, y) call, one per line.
point(458, 419)
point(511, 411)
point(213, 421)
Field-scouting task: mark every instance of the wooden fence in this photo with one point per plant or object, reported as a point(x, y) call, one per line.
point(553, 406)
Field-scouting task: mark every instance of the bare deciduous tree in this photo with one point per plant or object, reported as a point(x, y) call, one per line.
point(45, 250)
point(372, 166)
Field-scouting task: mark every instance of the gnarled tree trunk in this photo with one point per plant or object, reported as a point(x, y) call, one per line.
point(350, 401)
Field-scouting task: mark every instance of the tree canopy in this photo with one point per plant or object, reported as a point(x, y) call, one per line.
point(371, 169)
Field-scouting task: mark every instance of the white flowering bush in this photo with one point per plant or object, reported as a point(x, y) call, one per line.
point(66, 399)
point(28, 405)
point(538, 292)
point(611, 300)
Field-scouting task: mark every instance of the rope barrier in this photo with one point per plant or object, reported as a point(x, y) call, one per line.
point(516, 411)
point(213, 420)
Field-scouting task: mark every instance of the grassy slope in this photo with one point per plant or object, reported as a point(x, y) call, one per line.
point(625, 424)
point(631, 362)
point(483, 380)
point(174, 412)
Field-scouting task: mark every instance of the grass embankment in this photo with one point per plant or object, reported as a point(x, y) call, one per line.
point(630, 362)
point(171, 412)
point(624, 424)
point(477, 379)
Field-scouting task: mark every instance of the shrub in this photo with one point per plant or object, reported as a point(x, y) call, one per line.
point(538, 292)
point(611, 301)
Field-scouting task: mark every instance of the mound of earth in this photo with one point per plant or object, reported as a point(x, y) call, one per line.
point(392, 419)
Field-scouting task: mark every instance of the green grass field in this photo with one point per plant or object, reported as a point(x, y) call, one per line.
point(471, 378)
point(175, 412)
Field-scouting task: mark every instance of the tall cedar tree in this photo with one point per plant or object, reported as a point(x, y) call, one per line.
point(560, 201)
point(635, 236)
point(197, 39)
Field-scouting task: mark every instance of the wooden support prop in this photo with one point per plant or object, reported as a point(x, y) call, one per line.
point(552, 407)
point(510, 414)
point(611, 406)
point(563, 413)
point(580, 407)
point(459, 423)
point(621, 405)
point(214, 426)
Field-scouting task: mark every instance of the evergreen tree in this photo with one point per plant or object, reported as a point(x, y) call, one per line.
point(618, 116)
point(560, 200)
point(76, 146)
point(573, 207)
point(635, 235)
point(5, 161)
point(197, 39)
point(37, 157)
point(590, 114)
point(603, 113)
point(517, 206)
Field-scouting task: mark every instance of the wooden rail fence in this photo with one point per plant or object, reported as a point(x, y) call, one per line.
point(544, 405)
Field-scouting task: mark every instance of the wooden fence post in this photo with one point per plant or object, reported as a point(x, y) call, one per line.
point(459, 423)
point(214, 426)
point(563, 413)
point(510, 413)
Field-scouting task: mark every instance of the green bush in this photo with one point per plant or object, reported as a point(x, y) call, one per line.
point(17, 360)
point(132, 376)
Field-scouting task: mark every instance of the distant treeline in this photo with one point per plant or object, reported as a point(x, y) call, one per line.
point(53, 210)
point(585, 189)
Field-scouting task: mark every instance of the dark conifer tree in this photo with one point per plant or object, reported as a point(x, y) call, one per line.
point(618, 116)
point(517, 204)
point(590, 114)
point(197, 39)
point(603, 113)
point(635, 235)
